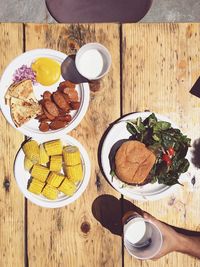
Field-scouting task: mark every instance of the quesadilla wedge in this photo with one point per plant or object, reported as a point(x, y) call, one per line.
point(22, 111)
point(22, 90)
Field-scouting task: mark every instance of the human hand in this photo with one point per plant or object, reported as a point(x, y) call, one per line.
point(170, 236)
point(172, 240)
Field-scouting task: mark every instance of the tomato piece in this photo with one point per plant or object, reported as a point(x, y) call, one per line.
point(167, 159)
point(171, 151)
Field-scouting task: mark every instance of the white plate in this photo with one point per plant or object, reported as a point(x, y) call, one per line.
point(31, 128)
point(145, 192)
point(22, 176)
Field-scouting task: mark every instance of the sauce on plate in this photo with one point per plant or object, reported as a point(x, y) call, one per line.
point(47, 70)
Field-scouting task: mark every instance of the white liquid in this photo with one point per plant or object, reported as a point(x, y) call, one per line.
point(135, 232)
point(90, 64)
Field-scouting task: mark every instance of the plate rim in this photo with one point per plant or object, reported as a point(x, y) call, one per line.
point(169, 189)
point(59, 203)
point(84, 88)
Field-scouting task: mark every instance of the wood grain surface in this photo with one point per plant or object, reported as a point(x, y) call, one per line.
point(11, 199)
point(161, 62)
point(71, 236)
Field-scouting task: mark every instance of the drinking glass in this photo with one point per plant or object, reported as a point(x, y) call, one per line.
point(142, 238)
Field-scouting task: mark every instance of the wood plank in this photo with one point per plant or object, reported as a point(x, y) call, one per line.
point(12, 201)
point(55, 237)
point(161, 62)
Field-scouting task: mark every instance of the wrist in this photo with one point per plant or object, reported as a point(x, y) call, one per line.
point(182, 243)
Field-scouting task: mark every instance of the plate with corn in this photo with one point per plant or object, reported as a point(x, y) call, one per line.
point(52, 173)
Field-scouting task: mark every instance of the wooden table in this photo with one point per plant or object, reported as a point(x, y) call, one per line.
point(154, 67)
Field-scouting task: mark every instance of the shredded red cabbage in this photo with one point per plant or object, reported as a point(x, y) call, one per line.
point(24, 73)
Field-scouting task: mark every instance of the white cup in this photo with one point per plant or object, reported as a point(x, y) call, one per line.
point(146, 242)
point(93, 61)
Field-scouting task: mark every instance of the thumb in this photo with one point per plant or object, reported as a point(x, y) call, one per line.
point(148, 216)
point(152, 219)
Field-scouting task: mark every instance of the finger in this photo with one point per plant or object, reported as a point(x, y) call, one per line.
point(155, 221)
point(128, 215)
point(148, 216)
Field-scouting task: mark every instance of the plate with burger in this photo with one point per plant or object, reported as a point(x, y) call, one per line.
point(145, 156)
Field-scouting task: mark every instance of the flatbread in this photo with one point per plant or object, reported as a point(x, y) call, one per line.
point(22, 90)
point(23, 104)
point(22, 111)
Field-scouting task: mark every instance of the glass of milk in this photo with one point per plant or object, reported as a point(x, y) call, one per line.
point(93, 61)
point(142, 238)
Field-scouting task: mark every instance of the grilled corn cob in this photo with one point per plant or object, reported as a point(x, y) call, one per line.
point(40, 172)
point(55, 179)
point(71, 155)
point(31, 151)
point(53, 147)
point(74, 173)
point(50, 192)
point(36, 186)
point(44, 158)
point(67, 187)
point(56, 163)
point(28, 164)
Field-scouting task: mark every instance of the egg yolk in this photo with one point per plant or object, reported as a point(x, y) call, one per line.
point(47, 70)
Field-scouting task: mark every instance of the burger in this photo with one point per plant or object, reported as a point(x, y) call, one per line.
point(133, 163)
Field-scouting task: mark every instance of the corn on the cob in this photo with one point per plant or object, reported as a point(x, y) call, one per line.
point(56, 163)
point(36, 186)
point(44, 158)
point(50, 192)
point(65, 170)
point(40, 172)
point(67, 187)
point(28, 164)
point(74, 173)
point(71, 155)
point(31, 151)
point(55, 179)
point(53, 147)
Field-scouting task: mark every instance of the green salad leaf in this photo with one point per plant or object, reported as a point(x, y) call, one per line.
point(168, 144)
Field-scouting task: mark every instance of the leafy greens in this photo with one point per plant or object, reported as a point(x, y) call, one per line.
point(160, 137)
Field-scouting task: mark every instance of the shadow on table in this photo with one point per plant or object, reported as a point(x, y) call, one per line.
point(70, 72)
point(109, 210)
point(196, 153)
